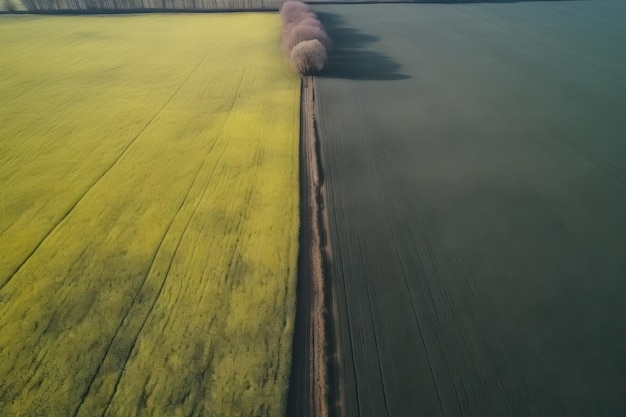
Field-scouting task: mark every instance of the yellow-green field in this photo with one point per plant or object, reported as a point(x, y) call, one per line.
point(148, 215)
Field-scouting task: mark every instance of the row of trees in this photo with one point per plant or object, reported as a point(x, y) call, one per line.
point(45, 6)
point(305, 42)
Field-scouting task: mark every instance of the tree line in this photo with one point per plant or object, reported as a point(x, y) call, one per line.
point(46, 6)
point(305, 43)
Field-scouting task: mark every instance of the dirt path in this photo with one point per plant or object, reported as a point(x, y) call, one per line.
point(309, 380)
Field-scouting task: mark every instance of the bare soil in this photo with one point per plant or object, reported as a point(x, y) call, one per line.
point(475, 185)
point(308, 394)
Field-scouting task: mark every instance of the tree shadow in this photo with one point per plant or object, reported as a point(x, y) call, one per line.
point(483, 1)
point(347, 2)
point(349, 60)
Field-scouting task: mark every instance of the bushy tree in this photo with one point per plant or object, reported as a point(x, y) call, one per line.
point(293, 11)
point(308, 57)
point(301, 33)
point(309, 18)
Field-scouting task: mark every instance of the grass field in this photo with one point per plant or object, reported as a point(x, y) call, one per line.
point(473, 159)
point(148, 215)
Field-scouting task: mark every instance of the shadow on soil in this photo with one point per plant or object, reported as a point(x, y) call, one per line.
point(484, 1)
point(349, 59)
point(426, 1)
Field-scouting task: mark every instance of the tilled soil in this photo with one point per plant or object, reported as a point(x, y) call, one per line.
point(473, 159)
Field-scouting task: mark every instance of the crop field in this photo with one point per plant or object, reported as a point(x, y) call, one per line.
point(473, 160)
point(148, 215)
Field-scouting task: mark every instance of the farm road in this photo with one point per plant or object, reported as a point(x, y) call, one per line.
point(476, 192)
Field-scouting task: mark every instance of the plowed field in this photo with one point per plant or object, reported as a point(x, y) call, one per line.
point(473, 159)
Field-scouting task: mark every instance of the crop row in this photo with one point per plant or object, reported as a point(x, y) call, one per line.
point(148, 219)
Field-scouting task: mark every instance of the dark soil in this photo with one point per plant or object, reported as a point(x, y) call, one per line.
point(473, 160)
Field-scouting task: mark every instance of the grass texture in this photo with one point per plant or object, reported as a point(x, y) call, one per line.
point(148, 215)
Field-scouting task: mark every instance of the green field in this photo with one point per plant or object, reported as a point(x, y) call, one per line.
point(148, 215)
point(473, 160)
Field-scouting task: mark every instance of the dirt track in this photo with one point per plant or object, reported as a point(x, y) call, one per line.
point(308, 382)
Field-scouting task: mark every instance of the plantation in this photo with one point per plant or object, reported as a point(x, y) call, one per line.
point(473, 160)
point(148, 215)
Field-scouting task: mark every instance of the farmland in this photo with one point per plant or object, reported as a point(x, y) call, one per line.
point(473, 161)
point(148, 215)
